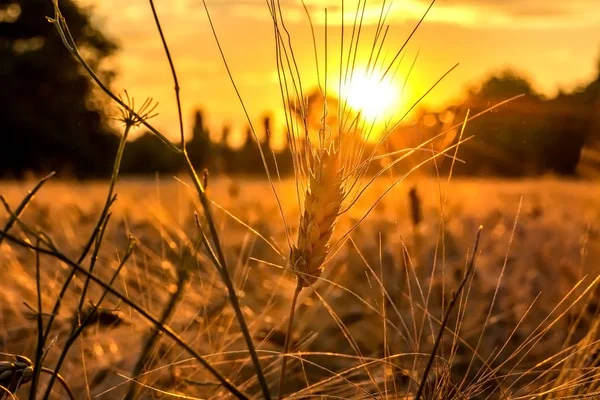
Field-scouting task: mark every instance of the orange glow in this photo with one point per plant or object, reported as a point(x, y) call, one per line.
point(558, 48)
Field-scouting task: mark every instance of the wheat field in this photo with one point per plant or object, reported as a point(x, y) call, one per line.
point(348, 340)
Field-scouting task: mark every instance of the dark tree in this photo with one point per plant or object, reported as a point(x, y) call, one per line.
point(200, 146)
point(267, 128)
point(504, 86)
point(50, 118)
point(507, 140)
point(528, 136)
point(314, 109)
point(147, 155)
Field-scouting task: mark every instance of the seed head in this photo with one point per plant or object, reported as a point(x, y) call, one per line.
point(14, 374)
point(322, 204)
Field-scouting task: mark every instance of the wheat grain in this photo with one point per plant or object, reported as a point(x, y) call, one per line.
point(322, 203)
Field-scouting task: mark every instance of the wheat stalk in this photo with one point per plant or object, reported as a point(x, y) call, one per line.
point(323, 199)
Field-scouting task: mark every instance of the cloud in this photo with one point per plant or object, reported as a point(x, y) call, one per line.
point(529, 13)
point(519, 8)
point(482, 14)
point(535, 14)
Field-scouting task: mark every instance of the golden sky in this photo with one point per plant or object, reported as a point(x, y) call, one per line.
point(555, 43)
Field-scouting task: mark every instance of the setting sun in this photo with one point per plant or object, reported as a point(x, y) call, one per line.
point(376, 98)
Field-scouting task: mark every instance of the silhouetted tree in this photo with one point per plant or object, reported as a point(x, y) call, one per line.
point(147, 154)
point(49, 118)
point(528, 136)
point(584, 106)
point(315, 112)
point(507, 140)
point(222, 152)
point(247, 158)
point(502, 87)
point(267, 128)
point(200, 146)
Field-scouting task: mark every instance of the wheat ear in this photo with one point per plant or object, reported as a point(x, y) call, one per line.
point(322, 204)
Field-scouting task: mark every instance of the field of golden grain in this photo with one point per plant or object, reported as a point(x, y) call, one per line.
point(365, 329)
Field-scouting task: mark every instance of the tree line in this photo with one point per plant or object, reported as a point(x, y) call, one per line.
point(529, 136)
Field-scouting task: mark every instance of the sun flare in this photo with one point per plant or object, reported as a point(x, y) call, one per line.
point(377, 98)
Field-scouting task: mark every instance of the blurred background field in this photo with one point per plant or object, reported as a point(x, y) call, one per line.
point(555, 245)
